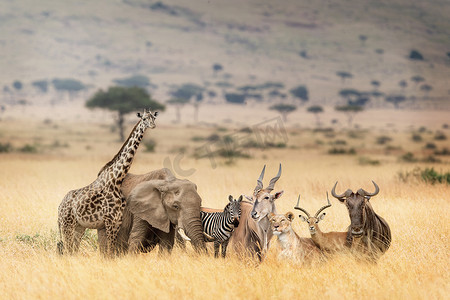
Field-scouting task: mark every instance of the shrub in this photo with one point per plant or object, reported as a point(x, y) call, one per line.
point(368, 161)
point(444, 151)
point(429, 175)
point(381, 140)
point(5, 147)
point(416, 137)
point(430, 146)
point(334, 151)
point(408, 157)
point(150, 145)
point(440, 136)
point(28, 149)
point(415, 55)
point(197, 138)
point(431, 159)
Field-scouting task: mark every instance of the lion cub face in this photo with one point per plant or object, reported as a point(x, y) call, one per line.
point(281, 223)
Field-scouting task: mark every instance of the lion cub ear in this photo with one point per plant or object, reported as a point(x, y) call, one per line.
point(271, 215)
point(290, 216)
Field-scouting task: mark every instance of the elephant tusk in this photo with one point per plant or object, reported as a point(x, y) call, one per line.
point(182, 234)
point(208, 238)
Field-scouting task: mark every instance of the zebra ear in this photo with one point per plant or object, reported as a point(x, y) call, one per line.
point(230, 198)
point(240, 198)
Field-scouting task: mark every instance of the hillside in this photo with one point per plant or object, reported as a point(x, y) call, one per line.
point(173, 42)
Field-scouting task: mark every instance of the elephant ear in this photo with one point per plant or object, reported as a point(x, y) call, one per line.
point(146, 202)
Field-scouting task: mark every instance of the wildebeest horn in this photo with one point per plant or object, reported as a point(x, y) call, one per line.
point(324, 207)
point(333, 192)
point(377, 190)
point(274, 180)
point(301, 209)
point(259, 183)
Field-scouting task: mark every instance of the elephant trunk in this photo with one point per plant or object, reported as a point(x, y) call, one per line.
point(194, 230)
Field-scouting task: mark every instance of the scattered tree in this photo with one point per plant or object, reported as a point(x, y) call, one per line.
point(198, 99)
point(71, 86)
point(375, 83)
point(426, 88)
point(403, 84)
point(41, 85)
point(395, 100)
point(415, 55)
point(186, 91)
point(123, 100)
point(300, 92)
point(417, 79)
point(363, 39)
point(17, 85)
point(235, 98)
point(350, 111)
point(316, 110)
point(283, 109)
point(217, 68)
point(344, 75)
point(178, 103)
point(136, 80)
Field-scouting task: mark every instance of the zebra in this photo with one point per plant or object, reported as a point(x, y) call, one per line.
point(218, 226)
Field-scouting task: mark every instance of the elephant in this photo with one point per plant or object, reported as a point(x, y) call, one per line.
point(157, 206)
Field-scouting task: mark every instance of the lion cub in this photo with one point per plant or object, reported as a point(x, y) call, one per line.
point(293, 247)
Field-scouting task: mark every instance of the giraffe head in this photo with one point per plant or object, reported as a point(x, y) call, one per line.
point(148, 118)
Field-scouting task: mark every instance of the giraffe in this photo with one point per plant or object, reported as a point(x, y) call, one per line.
point(101, 204)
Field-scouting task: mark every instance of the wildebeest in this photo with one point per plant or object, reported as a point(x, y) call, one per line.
point(368, 233)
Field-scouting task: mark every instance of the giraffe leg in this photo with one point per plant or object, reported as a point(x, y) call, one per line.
point(77, 236)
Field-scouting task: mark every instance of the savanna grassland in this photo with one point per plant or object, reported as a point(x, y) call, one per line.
point(63, 155)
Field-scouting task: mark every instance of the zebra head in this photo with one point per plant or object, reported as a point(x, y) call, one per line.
point(233, 209)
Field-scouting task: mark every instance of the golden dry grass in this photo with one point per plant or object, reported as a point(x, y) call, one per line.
point(415, 267)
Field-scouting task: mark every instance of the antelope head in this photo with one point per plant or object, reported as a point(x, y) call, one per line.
point(263, 201)
point(312, 221)
point(356, 204)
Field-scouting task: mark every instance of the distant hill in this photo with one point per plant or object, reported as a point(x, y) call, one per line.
point(293, 42)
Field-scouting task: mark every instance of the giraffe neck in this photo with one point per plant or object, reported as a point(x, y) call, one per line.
point(121, 163)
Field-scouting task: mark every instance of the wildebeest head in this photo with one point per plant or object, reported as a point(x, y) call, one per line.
point(263, 201)
point(356, 204)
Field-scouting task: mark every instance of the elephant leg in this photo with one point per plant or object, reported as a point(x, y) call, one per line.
point(138, 235)
point(216, 248)
point(166, 240)
point(224, 248)
point(102, 240)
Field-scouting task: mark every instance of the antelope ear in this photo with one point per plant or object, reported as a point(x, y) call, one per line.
point(155, 114)
point(278, 195)
point(230, 198)
point(302, 218)
point(139, 115)
point(290, 216)
point(321, 217)
point(248, 198)
point(271, 215)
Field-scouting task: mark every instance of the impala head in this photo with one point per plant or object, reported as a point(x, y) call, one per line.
point(263, 201)
point(312, 221)
point(148, 118)
point(356, 204)
point(233, 208)
point(280, 223)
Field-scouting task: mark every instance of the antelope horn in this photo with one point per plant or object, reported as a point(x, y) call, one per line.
point(324, 207)
point(377, 190)
point(301, 209)
point(333, 192)
point(183, 235)
point(259, 183)
point(274, 180)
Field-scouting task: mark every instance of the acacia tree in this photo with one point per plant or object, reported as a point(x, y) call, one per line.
point(316, 110)
point(344, 75)
point(300, 92)
point(283, 109)
point(123, 100)
point(426, 88)
point(178, 103)
point(350, 111)
point(395, 100)
point(183, 95)
point(417, 79)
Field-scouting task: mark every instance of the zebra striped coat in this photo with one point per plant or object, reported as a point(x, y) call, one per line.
point(220, 225)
